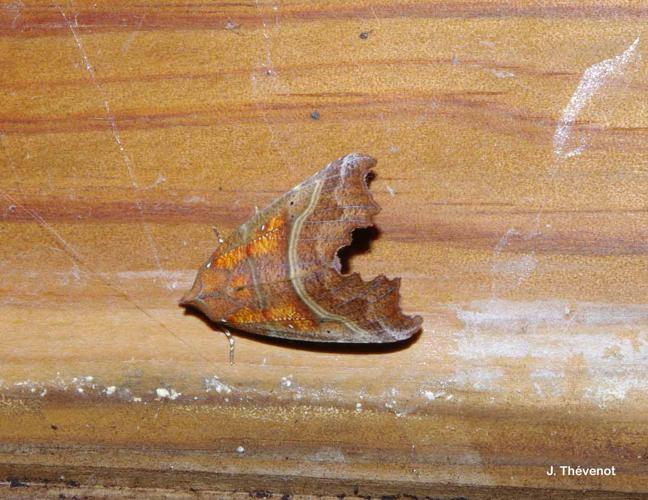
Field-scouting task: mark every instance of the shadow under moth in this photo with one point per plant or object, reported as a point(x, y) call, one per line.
point(280, 275)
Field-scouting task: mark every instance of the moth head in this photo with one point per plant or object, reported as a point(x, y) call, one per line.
point(207, 291)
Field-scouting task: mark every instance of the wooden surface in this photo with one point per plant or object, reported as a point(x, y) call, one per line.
point(513, 176)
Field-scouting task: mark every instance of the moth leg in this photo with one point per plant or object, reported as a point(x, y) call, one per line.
point(230, 339)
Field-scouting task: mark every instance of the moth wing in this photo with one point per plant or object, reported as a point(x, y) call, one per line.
point(324, 212)
point(279, 273)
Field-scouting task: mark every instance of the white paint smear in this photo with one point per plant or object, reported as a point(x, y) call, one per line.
point(521, 267)
point(478, 378)
point(503, 242)
point(214, 384)
point(163, 393)
point(500, 73)
point(328, 454)
point(593, 79)
point(286, 382)
point(509, 315)
point(548, 382)
point(515, 330)
point(432, 395)
point(172, 279)
point(509, 274)
point(614, 388)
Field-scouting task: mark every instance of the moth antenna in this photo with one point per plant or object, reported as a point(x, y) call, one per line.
point(230, 339)
point(217, 233)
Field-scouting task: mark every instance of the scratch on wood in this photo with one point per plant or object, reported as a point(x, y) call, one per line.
point(118, 140)
point(132, 36)
point(80, 261)
point(66, 247)
point(273, 78)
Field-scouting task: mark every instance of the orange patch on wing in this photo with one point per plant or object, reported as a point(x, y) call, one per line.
point(230, 259)
point(286, 314)
point(238, 281)
point(262, 245)
point(289, 315)
point(275, 223)
point(246, 315)
point(266, 242)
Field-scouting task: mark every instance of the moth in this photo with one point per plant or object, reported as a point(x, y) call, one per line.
point(280, 275)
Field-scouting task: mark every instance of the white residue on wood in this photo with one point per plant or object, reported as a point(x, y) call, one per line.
point(214, 384)
point(593, 79)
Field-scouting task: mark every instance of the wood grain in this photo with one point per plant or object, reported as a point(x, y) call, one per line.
point(512, 174)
